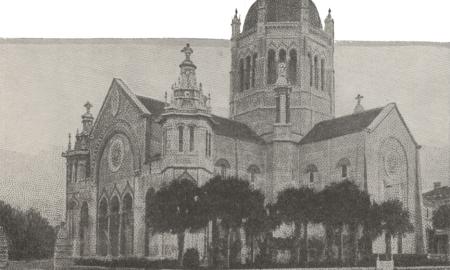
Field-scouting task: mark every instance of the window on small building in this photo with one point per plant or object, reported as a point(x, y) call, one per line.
point(271, 67)
point(311, 171)
point(191, 138)
point(343, 166)
point(208, 144)
point(255, 56)
point(180, 138)
point(322, 74)
point(292, 66)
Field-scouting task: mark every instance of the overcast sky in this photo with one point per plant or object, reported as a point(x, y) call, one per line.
point(406, 20)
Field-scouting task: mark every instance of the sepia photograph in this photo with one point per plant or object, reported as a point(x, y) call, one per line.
point(242, 134)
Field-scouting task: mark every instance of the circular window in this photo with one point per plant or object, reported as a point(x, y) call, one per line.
point(391, 163)
point(115, 156)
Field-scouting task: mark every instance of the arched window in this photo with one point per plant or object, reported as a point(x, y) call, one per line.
point(84, 229)
point(103, 228)
point(180, 138)
point(282, 56)
point(127, 233)
point(311, 70)
point(343, 165)
point(292, 68)
point(71, 218)
point(311, 171)
point(241, 75)
point(248, 63)
point(288, 108)
point(191, 138)
point(223, 166)
point(271, 67)
point(255, 56)
point(253, 170)
point(114, 224)
point(322, 74)
point(316, 72)
point(208, 144)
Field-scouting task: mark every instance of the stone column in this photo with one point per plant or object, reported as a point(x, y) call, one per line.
point(62, 258)
point(3, 249)
point(244, 253)
point(76, 233)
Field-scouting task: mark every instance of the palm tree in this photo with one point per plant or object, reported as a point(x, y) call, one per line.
point(344, 204)
point(232, 201)
point(395, 222)
point(441, 217)
point(298, 206)
point(174, 209)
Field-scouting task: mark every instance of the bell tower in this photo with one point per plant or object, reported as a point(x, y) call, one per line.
point(295, 39)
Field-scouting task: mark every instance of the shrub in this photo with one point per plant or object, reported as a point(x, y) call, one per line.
point(191, 259)
point(128, 263)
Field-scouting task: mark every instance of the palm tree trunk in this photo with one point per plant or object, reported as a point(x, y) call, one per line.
point(354, 242)
point(400, 244)
point(298, 240)
point(214, 242)
point(228, 248)
point(305, 242)
point(328, 242)
point(252, 249)
point(180, 238)
point(341, 243)
point(387, 241)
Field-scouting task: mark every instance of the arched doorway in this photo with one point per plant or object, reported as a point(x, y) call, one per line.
point(84, 229)
point(114, 223)
point(127, 233)
point(103, 228)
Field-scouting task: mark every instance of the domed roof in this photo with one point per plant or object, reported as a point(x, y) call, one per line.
point(282, 11)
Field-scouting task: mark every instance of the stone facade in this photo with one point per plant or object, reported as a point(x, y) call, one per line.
point(282, 132)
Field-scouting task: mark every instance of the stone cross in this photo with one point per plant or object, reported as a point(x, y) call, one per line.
point(359, 98)
point(88, 107)
point(187, 51)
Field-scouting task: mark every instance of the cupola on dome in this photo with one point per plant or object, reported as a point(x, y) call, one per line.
point(282, 11)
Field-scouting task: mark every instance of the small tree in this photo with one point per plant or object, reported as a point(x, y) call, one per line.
point(298, 206)
point(258, 222)
point(395, 222)
point(174, 209)
point(441, 217)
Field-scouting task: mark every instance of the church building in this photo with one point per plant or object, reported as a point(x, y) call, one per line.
point(281, 132)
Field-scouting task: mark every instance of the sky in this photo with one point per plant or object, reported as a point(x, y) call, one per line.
point(50, 71)
point(406, 20)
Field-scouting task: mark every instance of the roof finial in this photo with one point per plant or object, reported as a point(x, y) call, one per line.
point(329, 11)
point(187, 51)
point(358, 108)
point(88, 107)
point(236, 12)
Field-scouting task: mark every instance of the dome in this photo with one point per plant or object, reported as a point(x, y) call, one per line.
point(282, 11)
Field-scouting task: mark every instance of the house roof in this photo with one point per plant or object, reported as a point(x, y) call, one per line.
point(155, 107)
point(341, 126)
point(442, 193)
point(231, 128)
point(221, 126)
